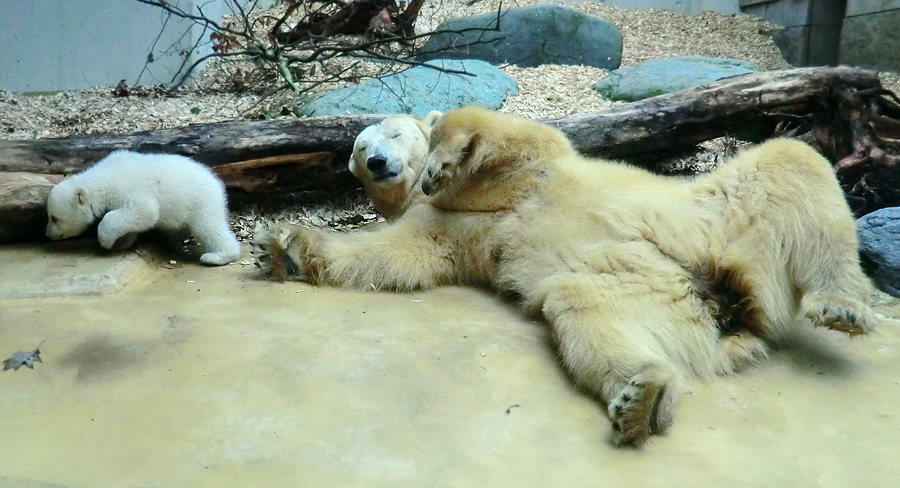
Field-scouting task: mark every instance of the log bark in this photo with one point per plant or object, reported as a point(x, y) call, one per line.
point(256, 156)
point(748, 106)
point(212, 144)
point(23, 200)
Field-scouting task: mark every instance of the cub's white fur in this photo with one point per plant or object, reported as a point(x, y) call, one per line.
point(132, 193)
point(388, 158)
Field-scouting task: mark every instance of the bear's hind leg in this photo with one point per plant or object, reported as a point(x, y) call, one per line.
point(643, 407)
point(803, 211)
point(824, 265)
point(125, 241)
point(609, 349)
point(220, 247)
point(739, 350)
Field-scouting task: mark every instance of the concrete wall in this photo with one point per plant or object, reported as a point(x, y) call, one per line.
point(871, 34)
point(680, 6)
point(70, 44)
point(812, 28)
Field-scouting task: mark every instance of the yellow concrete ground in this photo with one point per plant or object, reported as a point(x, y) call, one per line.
point(196, 376)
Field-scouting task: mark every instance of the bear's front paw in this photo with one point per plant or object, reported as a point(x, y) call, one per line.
point(124, 242)
point(289, 252)
point(436, 176)
point(842, 314)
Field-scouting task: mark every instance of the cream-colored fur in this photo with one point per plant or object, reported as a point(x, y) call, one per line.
point(645, 280)
point(388, 159)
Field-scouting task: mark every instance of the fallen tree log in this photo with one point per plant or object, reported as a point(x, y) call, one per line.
point(292, 154)
point(23, 204)
point(212, 144)
point(753, 103)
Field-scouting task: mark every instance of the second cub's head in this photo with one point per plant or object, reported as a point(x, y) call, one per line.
point(68, 210)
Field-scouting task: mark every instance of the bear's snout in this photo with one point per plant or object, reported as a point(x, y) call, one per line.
point(382, 168)
point(376, 163)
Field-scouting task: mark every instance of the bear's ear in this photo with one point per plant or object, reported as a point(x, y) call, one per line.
point(81, 196)
point(468, 151)
point(427, 122)
point(359, 146)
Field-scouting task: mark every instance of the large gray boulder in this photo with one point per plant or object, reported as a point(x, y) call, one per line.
point(530, 36)
point(659, 76)
point(879, 241)
point(419, 90)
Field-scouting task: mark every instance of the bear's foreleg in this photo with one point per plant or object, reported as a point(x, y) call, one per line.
point(424, 249)
point(123, 224)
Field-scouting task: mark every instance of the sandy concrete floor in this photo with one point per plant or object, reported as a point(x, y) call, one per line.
point(194, 376)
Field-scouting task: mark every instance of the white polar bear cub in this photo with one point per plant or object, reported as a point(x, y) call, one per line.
point(388, 159)
point(133, 193)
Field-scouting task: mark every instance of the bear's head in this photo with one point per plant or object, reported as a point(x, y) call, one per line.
point(389, 157)
point(68, 210)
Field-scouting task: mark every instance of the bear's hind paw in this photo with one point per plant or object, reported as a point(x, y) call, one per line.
point(641, 409)
point(217, 259)
point(844, 315)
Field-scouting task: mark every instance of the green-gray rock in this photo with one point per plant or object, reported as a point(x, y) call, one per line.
point(659, 76)
point(419, 90)
point(530, 36)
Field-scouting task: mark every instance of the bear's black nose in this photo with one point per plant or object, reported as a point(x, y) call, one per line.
point(376, 163)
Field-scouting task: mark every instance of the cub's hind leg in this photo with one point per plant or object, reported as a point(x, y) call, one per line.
point(220, 246)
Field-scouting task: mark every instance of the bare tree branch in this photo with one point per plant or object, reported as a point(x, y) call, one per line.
point(238, 39)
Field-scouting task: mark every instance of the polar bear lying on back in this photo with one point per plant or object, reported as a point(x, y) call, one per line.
point(132, 193)
point(388, 159)
point(645, 281)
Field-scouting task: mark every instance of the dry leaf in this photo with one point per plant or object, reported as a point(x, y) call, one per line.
point(21, 358)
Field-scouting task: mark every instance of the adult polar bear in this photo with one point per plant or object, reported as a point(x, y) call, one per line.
point(388, 159)
point(645, 280)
